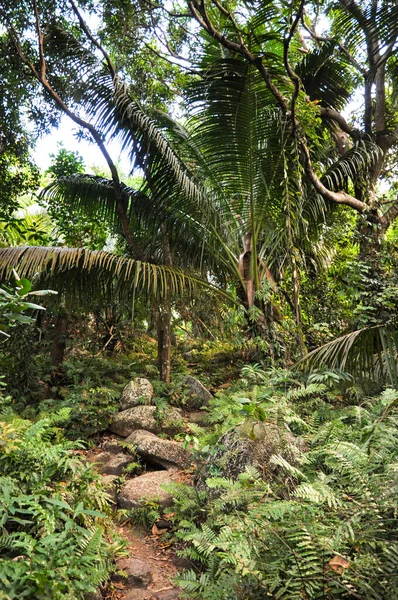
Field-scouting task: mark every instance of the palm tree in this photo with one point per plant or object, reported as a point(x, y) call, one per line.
point(248, 199)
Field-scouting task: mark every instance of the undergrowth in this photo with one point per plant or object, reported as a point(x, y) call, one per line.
point(55, 534)
point(322, 526)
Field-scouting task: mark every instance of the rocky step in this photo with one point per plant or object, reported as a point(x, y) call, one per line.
point(136, 392)
point(145, 417)
point(148, 487)
point(166, 453)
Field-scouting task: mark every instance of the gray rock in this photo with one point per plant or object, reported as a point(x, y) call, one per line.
point(136, 491)
point(166, 453)
point(198, 394)
point(137, 572)
point(144, 417)
point(100, 460)
point(116, 465)
point(134, 391)
point(113, 446)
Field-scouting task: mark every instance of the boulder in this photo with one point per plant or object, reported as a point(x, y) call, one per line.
point(137, 491)
point(113, 446)
point(136, 390)
point(198, 395)
point(237, 450)
point(165, 453)
point(100, 460)
point(144, 417)
point(136, 571)
point(116, 464)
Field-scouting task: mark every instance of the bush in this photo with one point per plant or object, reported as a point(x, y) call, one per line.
point(53, 514)
point(323, 527)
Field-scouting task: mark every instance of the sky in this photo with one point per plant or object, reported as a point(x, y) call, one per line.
point(65, 133)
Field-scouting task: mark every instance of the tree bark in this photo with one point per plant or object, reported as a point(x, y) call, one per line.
point(59, 340)
point(164, 339)
point(164, 318)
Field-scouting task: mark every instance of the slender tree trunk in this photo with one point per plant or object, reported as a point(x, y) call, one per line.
point(164, 318)
point(59, 340)
point(164, 339)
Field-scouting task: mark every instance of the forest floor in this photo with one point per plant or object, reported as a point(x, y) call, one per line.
point(154, 557)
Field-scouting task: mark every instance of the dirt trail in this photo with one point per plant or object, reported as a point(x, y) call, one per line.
point(150, 558)
point(159, 557)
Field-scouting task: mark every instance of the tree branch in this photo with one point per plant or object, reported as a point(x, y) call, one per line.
point(92, 39)
point(41, 76)
point(334, 115)
point(199, 12)
point(318, 38)
point(293, 76)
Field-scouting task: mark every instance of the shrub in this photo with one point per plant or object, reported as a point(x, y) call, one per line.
point(323, 527)
point(53, 514)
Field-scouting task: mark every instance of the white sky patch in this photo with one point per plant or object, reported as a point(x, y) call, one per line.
point(66, 134)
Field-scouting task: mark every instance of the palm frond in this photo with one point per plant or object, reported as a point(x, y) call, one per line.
point(93, 196)
point(352, 165)
point(368, 352)
point(326, 76)
point(92, 274)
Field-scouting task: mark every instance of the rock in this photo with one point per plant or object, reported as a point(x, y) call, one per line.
point(188, 355)
point(198, 394)
point(146, 487)
point(236, 450)
point(144, 417)
point(100, 460)
point(116, 465)
point(199, 417)
point(137, 572)
point(166, 453)
point(112, 446)
point(136, 390)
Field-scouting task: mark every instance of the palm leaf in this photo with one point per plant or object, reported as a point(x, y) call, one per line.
point(326, 76)
point(371, 352)
point(352, 166)
point(88, 274)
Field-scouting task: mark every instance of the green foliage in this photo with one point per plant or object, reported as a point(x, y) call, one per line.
point(65, 163)
point(144, 516)
point(323, 527)
point(13, 303)
point(90, 410)
point(53, 514)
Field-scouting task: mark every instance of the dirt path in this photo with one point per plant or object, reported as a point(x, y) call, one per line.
point(160, 558)
point(150, 559)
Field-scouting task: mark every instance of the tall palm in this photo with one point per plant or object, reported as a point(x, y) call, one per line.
point(242, 202)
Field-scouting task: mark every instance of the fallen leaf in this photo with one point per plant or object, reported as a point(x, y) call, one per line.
point(157, 531)
point(338, 564)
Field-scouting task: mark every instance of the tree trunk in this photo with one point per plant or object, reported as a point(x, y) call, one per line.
point(164, 318)
point(164, 339)
point(59, 340)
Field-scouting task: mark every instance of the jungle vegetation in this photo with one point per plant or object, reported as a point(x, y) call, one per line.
point(250, 241)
